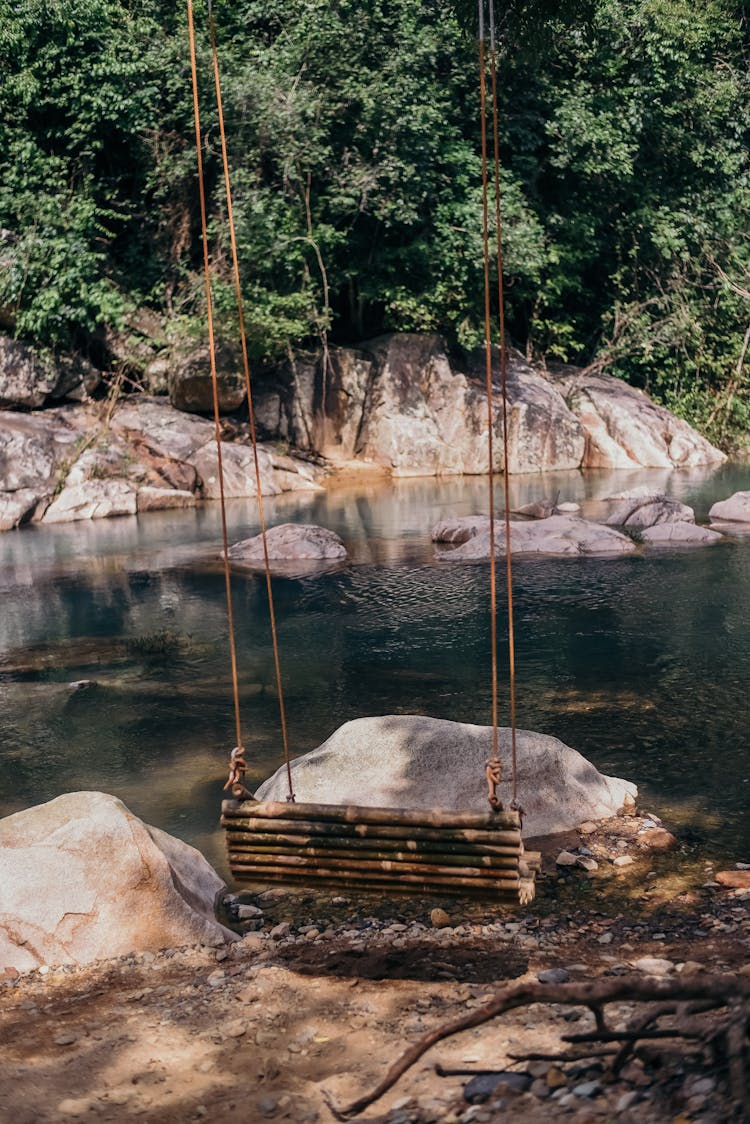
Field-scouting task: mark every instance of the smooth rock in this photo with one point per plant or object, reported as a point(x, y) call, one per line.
point(460, 529)
point(657, 839)
point(163, 499)
point(558, 534)
point(412, 761)
point(248, 912)
point(587, 863)
point(553, 976)
point(654, 966)
point(17, 507)
point(639, 510)
point(291, 542)
point(736, 509)
point(734, 879)
point(104, 885)
point(566, 858)
point(623, 860)
point(439, 919)
point(190, 384)
point(680, 534)
point(625, 429)
point(94, 499)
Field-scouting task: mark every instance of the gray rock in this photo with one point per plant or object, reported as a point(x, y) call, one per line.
point(553, 976)
point(104, 884)
point(29, 381)
point(566, 858)
point(736, 509)
point(160, 499)
point(412, 761)
point(93, 499)
point(17, 507)
point(625, 429)
point(680, 534)
point(558, 534)
point(654, 966)
point(190, 384)
point(649, 510)
point(33, 447)
point(460, 529)
point(291, 542)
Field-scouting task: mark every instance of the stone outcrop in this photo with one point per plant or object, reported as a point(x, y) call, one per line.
point(291, 542)
point(65, 464)
point(28, 381)
point(82, 878)
point(557, 534)
point(400, 401)
point(625, 429)
point(411, 761)
point(736, 509)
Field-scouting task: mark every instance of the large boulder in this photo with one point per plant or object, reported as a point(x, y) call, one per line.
point(93, 499)
point(641, 509)
point(28, 381)
point(736, 509)
point(82, 878)
point(558, 534)
point(625, 429)
point(191, 386)
point(291, 542)
point(411, 761)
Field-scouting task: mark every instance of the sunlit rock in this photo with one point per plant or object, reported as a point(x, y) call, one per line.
point(680, 534)
point(558, 534)
point(291, 542)
point(82, 878)
point(411, 761)
point(736, 509)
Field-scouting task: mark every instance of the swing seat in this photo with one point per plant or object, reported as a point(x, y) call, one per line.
point(425, 852)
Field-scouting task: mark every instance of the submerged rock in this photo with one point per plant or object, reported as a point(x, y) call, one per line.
point(290, 542)
point(82, 878)
point(680, 534)
point(648, 509)
point(557, 534)
point(411, 761)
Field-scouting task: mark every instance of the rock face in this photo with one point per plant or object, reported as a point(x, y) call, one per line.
point(28, 382)
point(291, 542)
point(401, 402)
point(558, 534)
point(734, 510)
point(190, 386)
point(82, 878)
point(410, 761)
point(625, 429)
point(64, 464)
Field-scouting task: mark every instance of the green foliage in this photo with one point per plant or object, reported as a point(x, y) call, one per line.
point(354, 149)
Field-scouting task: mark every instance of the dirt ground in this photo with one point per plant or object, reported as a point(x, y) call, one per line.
point(259, 1031)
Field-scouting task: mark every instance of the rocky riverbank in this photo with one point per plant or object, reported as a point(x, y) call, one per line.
point(398, 405)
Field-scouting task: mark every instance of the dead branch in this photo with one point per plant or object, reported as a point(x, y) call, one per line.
point(719, 990)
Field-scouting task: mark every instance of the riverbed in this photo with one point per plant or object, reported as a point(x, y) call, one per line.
point(114, 672)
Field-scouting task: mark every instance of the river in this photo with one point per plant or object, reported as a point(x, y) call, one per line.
point(114, 672)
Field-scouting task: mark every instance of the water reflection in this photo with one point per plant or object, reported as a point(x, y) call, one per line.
point(114, 671)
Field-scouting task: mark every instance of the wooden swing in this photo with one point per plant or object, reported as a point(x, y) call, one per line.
point(431, 851)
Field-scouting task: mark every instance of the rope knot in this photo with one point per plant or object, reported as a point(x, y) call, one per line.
point(237, 770)
point(493, 772)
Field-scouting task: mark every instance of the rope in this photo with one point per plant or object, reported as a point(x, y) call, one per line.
point(504, 384)
point(493, 764)
point(214, 380)
point(251, 410)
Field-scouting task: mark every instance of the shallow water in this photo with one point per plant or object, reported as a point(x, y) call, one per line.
point(114, 671)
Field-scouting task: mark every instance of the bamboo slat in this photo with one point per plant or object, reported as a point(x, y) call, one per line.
point(427, 881)
point(339, 842)
point(510, 837)
point(485, 862)
point(521, 892)
point(352, 813)
point(386, 866)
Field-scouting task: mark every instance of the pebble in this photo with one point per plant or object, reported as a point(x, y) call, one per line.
point(587, 1089)
point(74, 1106)
point(216, 978)
point(587, 828)
point(267, 1106)
point(587, 863)
point(553, 976)
point(692, 966)
point(627, 1100)
point(65, 1039)
point(248, 912)
point(605, 938)
point(235, 1029)
point(653, 965)
point(556, 1079)
point(623, 860)
point(440, 919)
point(566, 858)
point(280, 931)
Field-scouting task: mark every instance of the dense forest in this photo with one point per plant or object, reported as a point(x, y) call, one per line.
point(354, 142)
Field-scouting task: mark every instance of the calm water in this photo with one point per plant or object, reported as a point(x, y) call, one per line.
point(641, 663)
